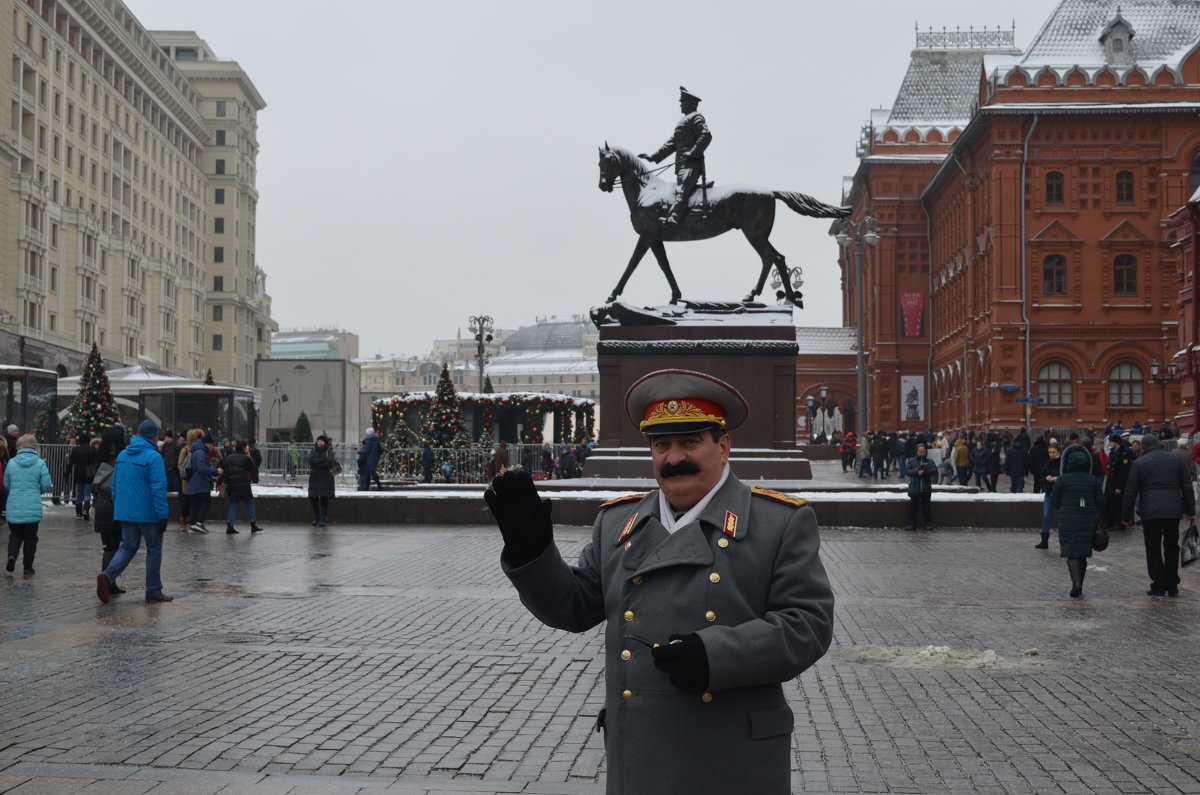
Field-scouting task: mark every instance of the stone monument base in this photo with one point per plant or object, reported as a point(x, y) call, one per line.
point(754, 349)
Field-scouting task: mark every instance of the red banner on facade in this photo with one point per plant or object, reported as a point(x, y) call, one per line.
point(912, 309)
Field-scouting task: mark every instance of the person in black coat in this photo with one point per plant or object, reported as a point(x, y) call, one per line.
point(921, 471)
point(112, 442)
point(1078, 498)
point(1038, 454)
point(1051, 470)
point(1120, 461)
point(81, 463)
point(321, 461)
point(237, 473)
point(1158, 484)
point(1016, 465)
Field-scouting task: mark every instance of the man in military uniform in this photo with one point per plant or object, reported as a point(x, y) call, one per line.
point(1120, 460)
point(688, 142)
point(714, 594)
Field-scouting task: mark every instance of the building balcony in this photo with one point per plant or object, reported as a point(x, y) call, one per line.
point(88, 263)
point(31, 283)
point(131, 325)
point(85, 305)
point(35, 236)
point(131, 285)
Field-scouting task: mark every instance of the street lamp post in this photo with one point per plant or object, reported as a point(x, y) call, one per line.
point(856, 234)
point(1170, 374)
point(481, 327)
point(810, 401)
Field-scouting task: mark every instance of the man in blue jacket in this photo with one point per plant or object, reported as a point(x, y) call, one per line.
point(139, 495)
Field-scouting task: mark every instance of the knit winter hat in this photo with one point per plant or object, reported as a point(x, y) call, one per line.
point(147, 429)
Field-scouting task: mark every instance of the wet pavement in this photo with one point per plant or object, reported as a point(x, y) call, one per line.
point(349, 658)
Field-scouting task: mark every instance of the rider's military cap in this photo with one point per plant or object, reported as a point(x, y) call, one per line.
point(683, 401)
point(684, 94)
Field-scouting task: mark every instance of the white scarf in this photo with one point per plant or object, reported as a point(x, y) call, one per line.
point(666, 516)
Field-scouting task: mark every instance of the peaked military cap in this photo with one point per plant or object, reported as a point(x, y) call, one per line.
point(685, 94)
point(683, 401)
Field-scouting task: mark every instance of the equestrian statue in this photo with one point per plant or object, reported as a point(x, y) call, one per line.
point(661, 211)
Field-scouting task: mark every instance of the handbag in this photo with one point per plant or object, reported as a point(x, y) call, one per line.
point(1099, 539)
point(1189, 551)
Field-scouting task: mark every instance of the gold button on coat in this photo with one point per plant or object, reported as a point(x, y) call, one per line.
point(714, 577)
point(710, 616)
point(629, 615)
point(627, 694)
point(626, 654)
point(637, 580)
point(628, 544)
point(706, 698)
point(722, 542)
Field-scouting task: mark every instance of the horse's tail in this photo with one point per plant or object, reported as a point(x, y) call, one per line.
point(806, 205)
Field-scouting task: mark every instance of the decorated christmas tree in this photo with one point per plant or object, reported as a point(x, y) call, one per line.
point(208, 378)
point(94, 408)
point(303, 430)
point(443, 423)
point(487, 385)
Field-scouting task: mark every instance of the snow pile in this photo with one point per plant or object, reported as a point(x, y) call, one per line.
point(929, 658)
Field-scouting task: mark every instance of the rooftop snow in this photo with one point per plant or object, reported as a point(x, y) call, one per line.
point(938, 87)
point(826, 341)
point(1163, 31)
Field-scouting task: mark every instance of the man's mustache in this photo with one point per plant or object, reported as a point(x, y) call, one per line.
point(682, 468)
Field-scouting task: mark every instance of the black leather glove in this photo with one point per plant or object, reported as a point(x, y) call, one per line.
point(685, 663)
point(162, 526)
point(645, 157)
point(522, 516)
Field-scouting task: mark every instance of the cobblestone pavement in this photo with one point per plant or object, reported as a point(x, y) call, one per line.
point(363, 658)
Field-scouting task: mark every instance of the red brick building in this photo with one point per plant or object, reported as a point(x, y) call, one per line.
point(1022, 202)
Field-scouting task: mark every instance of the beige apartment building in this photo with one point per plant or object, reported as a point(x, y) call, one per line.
point(129, 215)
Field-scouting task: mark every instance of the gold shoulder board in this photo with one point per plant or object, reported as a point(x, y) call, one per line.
point(619, 500)
point(778, 496)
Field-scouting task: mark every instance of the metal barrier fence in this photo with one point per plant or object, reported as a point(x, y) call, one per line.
point(284, 464)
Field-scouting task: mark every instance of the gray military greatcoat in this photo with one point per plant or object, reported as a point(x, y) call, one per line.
point(747, 578)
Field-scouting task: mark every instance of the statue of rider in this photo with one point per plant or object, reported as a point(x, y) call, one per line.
point(690, 139)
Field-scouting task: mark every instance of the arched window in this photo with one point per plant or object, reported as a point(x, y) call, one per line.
point(1054, 187)
point(1126, 382)
point(1054, 385)
point(1054, 275)
point(1124, 187)
point(1194, 174)
point(1125, 275)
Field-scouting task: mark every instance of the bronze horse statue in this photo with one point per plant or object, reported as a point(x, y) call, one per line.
point(748, 209)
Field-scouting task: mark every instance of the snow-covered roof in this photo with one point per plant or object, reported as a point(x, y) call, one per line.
point(542, 362)
point(551, 335)
point(939, 86)
point(140, 374)
point(814, 341)
point(1164, 31)
point(418, 397)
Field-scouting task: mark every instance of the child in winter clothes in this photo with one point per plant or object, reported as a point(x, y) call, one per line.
point(26, 478)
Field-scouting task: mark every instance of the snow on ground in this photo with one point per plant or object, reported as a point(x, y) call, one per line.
point(475, 491)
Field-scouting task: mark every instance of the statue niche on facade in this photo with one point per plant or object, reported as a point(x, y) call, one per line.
point(661, 211)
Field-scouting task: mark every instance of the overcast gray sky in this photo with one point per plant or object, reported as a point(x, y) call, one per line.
point(426, 161)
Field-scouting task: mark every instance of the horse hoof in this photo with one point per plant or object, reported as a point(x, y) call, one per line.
point(611, 299)
point(675, 299)
point(780, 295)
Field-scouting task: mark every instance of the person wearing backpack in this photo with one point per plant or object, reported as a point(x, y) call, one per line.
point(198, 486)
point(112, 442)
point(237, 473)
point(81, 464)
point(139, 492)
point(183, 462)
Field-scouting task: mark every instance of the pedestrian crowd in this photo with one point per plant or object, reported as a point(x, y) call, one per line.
point(1099, 482)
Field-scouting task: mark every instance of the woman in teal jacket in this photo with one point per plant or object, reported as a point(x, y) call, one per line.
point(26, 478)
point(1079, 500)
